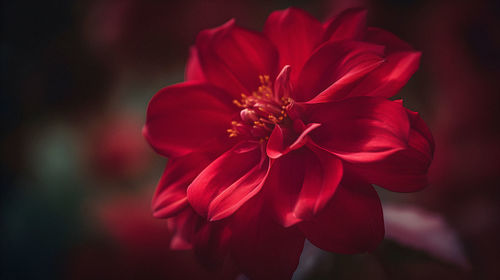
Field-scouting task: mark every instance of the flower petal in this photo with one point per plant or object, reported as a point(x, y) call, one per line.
point(390, 41)
point(301, 183)
point(233, 58)
point(183, 228)
point(352, 222)
point(362, 129)
point(330, 63)
point(284, 139)
point(405, 170)
point(282, 86)
point(187, 117)
point(193, 67)
point(262, 248)
point(349, 25)
point(170, 196)
point(295, 34)
point(401, 62)
point(211, 245)
point(229, 181)
point(390, 77)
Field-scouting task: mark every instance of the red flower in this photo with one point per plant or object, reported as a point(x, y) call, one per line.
point(278, 136)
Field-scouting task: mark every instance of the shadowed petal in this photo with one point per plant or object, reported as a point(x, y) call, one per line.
point(183, 228)
point(262, 248)
point(295, 34)
point(233, 57)
point(382, 37)
point(349, 25)
point(352, 222)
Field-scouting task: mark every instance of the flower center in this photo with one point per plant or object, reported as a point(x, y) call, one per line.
point(260, 112)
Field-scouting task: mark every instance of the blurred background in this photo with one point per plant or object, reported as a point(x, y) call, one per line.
point(77, 176)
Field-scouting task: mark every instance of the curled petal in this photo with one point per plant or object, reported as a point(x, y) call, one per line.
point(295, 34)
point(349, 25)
point(343, 87)
point(233, 57)
point(282, 87)
point(301, 183)
point(343, 62)
point(217, 194)
point(390, 77)
point(173, 125)
point(405, 170)
point(362, 129)
point(284, 139)
point(352, 222)
point(170, 196)
point(401, 62)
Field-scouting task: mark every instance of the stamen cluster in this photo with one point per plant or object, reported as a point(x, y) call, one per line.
point(260, 112)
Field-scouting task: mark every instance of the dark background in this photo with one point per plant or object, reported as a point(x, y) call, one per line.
point(77, 176)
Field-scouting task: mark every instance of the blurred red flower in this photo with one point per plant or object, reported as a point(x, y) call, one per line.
point(278, 136)
point(139, 247)
point(115, 149)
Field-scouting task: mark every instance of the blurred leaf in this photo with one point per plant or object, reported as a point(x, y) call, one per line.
point(423, 230)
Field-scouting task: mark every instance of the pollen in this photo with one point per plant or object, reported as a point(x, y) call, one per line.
point(260, 112)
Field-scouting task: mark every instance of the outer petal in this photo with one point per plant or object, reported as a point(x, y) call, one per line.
point(400, 64)
point(170, 196)
point(229, 181)
point(208, 240)
point(405, 170)
point(233, 57)
point(262, 248)
point(362, 129)
point(301, 183)
point(211, 244)
point(183, 227)
point(390, 77)
point(193, 68)
point(349, 25)
point(187, 117)
point(352, 222)
point(295, 34)
point(381, 37)
point(338, 62)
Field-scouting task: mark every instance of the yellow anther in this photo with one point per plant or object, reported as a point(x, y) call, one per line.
point(273, 118)
point(237, 103)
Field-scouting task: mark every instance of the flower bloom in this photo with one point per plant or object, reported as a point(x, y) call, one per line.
point(278, 136)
